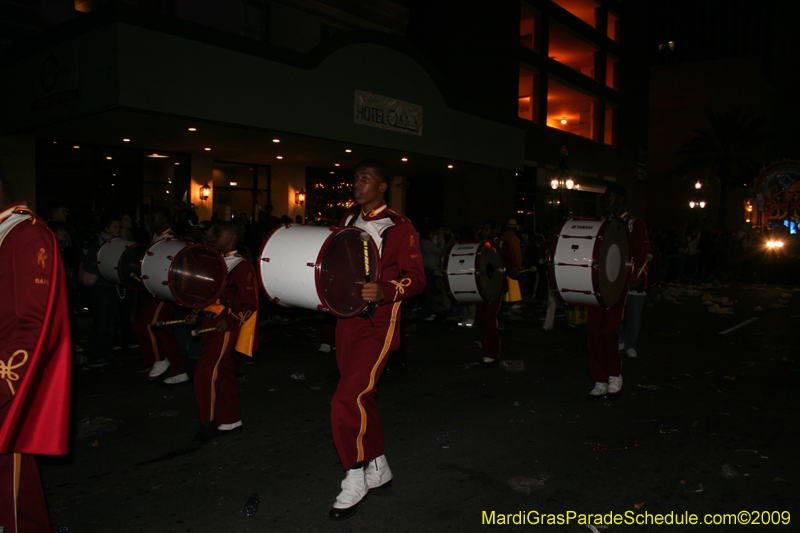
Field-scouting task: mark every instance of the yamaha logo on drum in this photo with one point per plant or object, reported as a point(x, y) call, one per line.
point(582, 227)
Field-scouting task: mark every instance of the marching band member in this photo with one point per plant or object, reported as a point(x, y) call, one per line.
point(215, 386)
point(158, 345)
point(487, 312)
point(35, 361)
point(363, 344)
point(605, 367)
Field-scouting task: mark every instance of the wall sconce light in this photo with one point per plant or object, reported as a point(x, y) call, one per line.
point(205, 192)
point(300, 197)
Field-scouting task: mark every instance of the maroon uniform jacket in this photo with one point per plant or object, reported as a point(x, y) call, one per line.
point(240, 296)
point(402, 272)
point(35, 348)
point(639, 243)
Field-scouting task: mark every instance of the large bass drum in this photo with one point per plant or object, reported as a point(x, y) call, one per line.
point(119, 261)
point(317, 268)
point(191, 275)
point(473, 272)
point(590, 262)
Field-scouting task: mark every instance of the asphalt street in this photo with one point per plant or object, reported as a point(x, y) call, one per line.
point(706, 423)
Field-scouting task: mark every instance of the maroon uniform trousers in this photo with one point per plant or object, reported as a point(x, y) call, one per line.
point(20, 476)
point(487, 319)
point(604, 342)
point(362, 350)
point(157, 344)
point(215, 384)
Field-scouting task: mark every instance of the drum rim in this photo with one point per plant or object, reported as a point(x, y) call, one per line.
point(595, 258)
point(476, 266)
point(318, 268)
point(177, 256)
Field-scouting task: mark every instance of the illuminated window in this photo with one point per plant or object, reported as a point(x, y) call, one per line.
point(528, 94)
point(586, 10)
point(571, 110)
point(612, 72)
point(610, 132)
point(613, 27)
point(571, 50)
point(529, 28)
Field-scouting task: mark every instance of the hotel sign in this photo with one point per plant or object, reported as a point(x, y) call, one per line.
point(387, 113)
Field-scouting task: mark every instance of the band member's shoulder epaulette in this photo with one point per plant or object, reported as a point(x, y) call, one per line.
point(396, 217)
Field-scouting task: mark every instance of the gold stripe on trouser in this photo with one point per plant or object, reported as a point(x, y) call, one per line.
point(150, 327)
point(17, 471)
point(387, 343)
point(216, 372)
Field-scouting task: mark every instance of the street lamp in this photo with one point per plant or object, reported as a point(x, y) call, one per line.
point(562, 179)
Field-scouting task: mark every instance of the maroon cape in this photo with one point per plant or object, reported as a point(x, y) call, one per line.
point(35, 347)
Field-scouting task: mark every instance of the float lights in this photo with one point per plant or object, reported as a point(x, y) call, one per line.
point(692, 204)
point(158, 156)
point(234, 183)
point(192, 129)
point(702, 205)
point(348, 150)
point(698, 185)
point(76, 146)
point(126, 140)
point(449, 166)
point(108, 157)
point(279, 157)
point(337, 165)
point(207, 149)
point(276, 140)
point(404, 159)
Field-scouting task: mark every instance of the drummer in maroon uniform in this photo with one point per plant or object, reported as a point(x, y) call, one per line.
point(363, 344)
point(605, 367)
point(486, 312)
point(158, 345)
point(215, 385)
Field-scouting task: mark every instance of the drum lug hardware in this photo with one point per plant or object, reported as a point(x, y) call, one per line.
point(165, 282)
point(276, 300)
point(151, 254)
point(310, 265)
point(265, 259)
point(596, 266)
point(170, 258)
point(145, 277)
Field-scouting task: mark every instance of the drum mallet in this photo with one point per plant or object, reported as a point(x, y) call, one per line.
point(198, 332)
point(647, 259)
point(370, 310)
point(137, 278)
point(162, 323)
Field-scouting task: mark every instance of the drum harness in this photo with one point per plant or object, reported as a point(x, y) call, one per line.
point(367, 313)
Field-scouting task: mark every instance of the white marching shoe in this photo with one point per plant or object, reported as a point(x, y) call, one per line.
point(159, 367)
point(599, 390)
point(378, 473)
point(354, 491)
point(614, 384)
